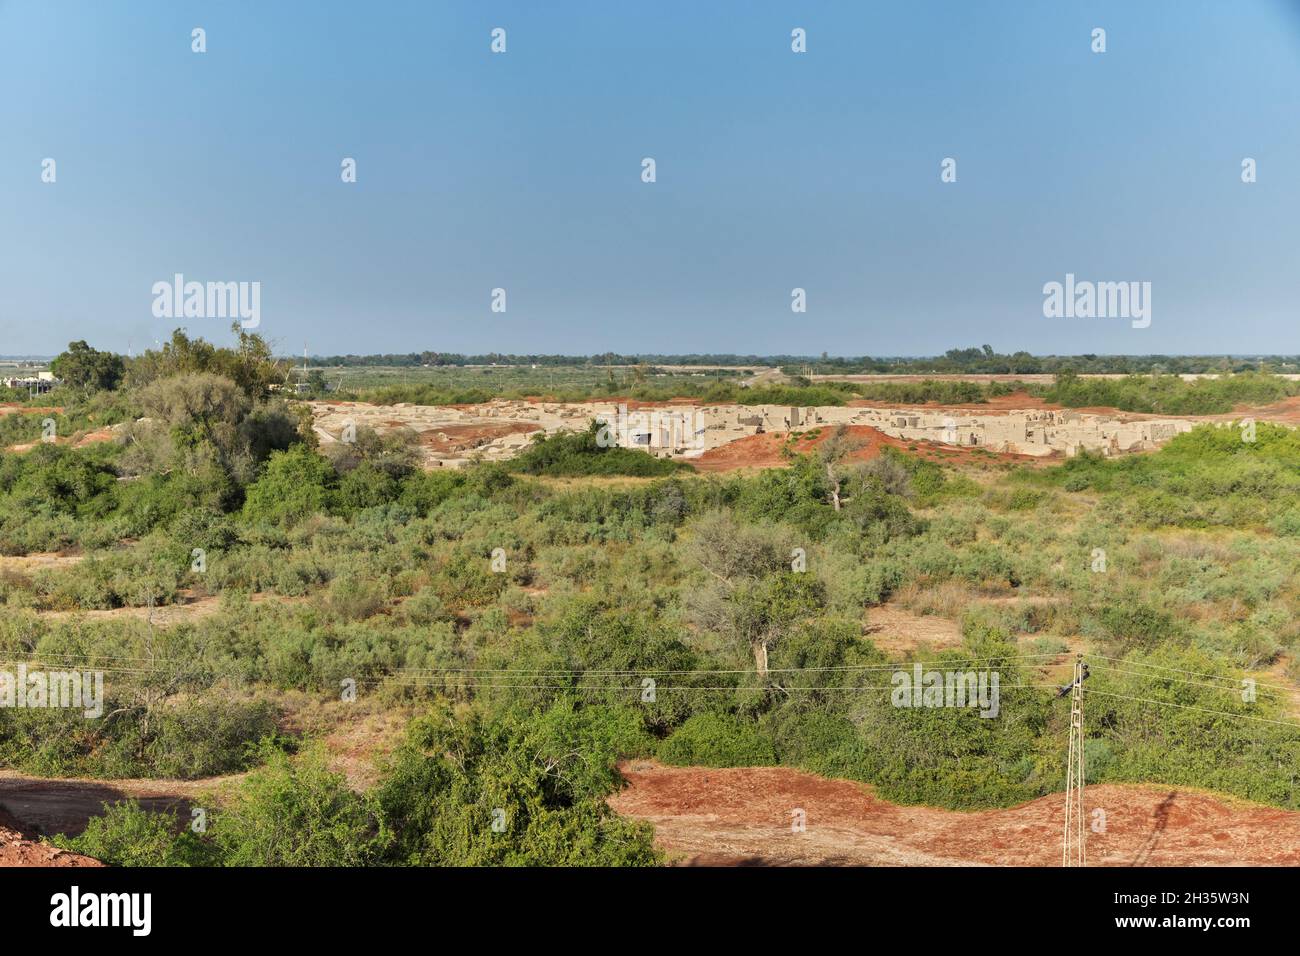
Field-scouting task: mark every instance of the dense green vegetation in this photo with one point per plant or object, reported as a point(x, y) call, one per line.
point(569, 454)
point(1152, 393)
point(513, 622)
point(1169, 394)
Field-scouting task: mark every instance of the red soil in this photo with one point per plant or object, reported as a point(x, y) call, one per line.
point(453, 438)
point(17, 848)
point(743, 817)
point(1286, 411)
point(89, 438)
point(764, 450)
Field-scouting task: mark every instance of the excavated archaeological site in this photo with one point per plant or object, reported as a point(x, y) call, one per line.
point(452, 436)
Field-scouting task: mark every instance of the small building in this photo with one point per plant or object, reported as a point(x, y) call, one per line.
point(42, 383)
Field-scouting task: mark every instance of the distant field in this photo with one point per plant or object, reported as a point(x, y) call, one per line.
point(1032, 378)
point(503, 378)
point(507, 378)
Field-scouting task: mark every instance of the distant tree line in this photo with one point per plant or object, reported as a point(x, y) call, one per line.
point(982, 360)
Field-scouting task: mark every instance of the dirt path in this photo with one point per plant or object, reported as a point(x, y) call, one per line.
point(43, 807)
point(357, 737)
point(740, 817)
point(39, 561)
point(188, 607)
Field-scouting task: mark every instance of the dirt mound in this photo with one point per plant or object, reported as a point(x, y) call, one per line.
point(107, 433)
point(765, 450)
point(744, 817)
point(453, 438)
point(17, 848)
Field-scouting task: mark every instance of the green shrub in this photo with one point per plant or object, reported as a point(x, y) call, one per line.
point(295, 485)
point(294, 811)
point(581, 453)
point(717, 740)
point(125, 834)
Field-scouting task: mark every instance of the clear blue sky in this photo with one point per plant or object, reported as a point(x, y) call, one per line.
point(775, 170)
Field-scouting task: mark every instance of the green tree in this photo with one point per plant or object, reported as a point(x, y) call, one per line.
point(250, 364)
point(88, 369)
point(297, 812)
point(295, 485)
point(521, 789)
point(128, 835)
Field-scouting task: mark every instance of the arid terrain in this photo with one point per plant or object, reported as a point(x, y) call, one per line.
point(1015, 427)
point(744, 816)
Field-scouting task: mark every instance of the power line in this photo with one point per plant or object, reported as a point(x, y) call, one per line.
point(1219, 713)
point(1177, 670)
point(455, 669)
point(1178, 680)
point(478, 684)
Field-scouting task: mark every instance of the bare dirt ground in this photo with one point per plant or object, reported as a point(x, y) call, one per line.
point(15, 408)
point(765, 450)
point(448, 439)
point(18, 848)
point(357, 737)
point(80, 440)
point(46, 806)
point(39, 561)
point(898, 630)
point(1286, 412)
point(742, 817)
point(188, 607)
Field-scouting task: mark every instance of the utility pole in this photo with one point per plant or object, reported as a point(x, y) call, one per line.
point(1073, 848)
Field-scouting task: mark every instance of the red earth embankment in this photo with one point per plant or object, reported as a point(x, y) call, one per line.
point(18, 848)
point(765, 450)
point(737, 817)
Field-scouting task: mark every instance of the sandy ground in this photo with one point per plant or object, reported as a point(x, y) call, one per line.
point(898, 630)
point(188, 607)
point(739, 817)
point(39, 561)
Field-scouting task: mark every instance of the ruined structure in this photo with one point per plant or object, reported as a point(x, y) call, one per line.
point(497, 430)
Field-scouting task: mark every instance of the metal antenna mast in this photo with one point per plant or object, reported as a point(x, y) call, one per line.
point(1074, 850)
